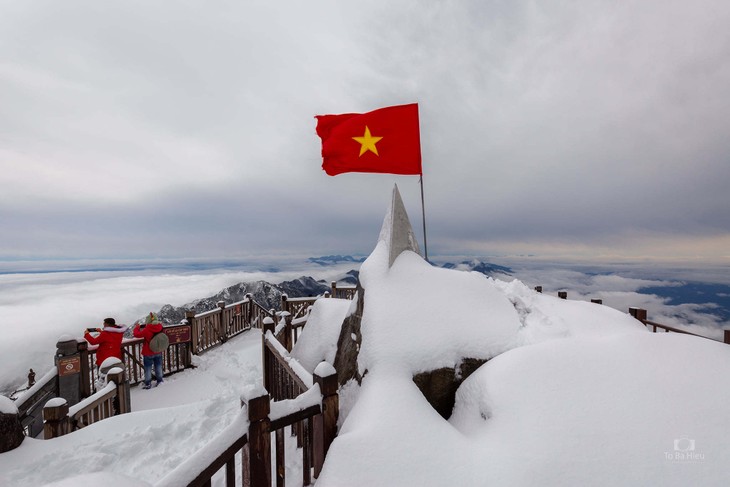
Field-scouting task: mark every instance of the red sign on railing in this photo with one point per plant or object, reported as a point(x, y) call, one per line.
point(69, 365)
point(178, 334)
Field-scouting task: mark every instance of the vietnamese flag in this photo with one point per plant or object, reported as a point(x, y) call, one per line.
point(382, 141)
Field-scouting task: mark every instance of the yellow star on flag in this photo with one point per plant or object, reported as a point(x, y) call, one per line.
point(367, 142)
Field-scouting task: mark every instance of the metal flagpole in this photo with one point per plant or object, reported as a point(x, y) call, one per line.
point(423, 211)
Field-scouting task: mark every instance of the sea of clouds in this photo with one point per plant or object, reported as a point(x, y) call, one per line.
point(36, 308)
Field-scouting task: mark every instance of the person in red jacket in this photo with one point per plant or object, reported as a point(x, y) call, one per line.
point(146, 331)
point(109, 340)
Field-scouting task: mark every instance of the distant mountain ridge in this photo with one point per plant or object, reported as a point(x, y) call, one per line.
point(269, 295)
point(477, 265)
point(335, 259)
point(264, 293)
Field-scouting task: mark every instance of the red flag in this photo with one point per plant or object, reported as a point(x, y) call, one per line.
point(382, 141)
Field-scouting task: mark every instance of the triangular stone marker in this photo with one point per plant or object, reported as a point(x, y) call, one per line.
point(397, 231)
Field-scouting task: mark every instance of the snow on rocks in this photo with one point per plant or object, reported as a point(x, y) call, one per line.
point(7, 406)
point(574, 393)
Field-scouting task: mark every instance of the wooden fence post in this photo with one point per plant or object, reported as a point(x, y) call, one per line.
point(249, 310)
point(55, 418)
point(726, 338)
point(563, 294)
point(268, 325)
point(325, 424)
point(333, 285)
point(11, 429)
point(86, 387)
point(194, 333)
point(538, 289)
point(257, 465)
point(222, 327)
point(597, 301)
point(288, 332)
point(638, 313)
point(123, 402)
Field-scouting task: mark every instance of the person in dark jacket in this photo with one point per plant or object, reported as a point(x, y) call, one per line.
point(146, 331)
point(109, 340)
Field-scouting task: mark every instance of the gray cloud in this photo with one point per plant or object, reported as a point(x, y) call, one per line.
point(545, 127)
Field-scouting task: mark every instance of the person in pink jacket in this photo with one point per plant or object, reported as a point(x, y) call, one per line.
point(146, 331)
point(109, 340)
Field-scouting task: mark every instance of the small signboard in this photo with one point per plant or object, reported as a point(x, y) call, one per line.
point(178, 334)
point(69, 366)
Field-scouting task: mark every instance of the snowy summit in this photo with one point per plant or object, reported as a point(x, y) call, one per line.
point(572, 393)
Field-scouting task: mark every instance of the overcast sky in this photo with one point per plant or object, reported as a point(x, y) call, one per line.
point(180, 129)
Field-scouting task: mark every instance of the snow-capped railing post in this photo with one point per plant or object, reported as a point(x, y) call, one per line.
point(638, 313)
point(11, 429)
point(333, 285)
point(194, 330)
point(538, 289)
point(726, 337)
point(249, 309)
point(257, 452)
point(288, 342)
point(222, 332)
point(55, 418)
point(563, 294)
point(87, 387)
point(325, 424)
point(597, 301)
point(123, 400)
point(268, 325)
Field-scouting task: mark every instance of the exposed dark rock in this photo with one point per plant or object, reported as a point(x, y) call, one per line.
point(11, 432)
point(439, 386)
point(348, 344)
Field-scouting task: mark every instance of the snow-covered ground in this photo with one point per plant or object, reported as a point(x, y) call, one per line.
point(167, 425)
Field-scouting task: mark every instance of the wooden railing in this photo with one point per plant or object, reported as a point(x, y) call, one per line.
point(641, 315)
point(175, 359)
point(215, 327)
point(343, 292)
point(60, 419)
point(296, 307)
point(250, 434)
point(30, 403)
point(307, 404)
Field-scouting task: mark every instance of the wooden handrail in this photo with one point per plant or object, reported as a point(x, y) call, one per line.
point(640, 314)
point(285, 362)
point(113, 399)
point(309, 404)
point(672, 329)
point(30, 403)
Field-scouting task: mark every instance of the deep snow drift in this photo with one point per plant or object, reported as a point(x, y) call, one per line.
point(577, 393)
